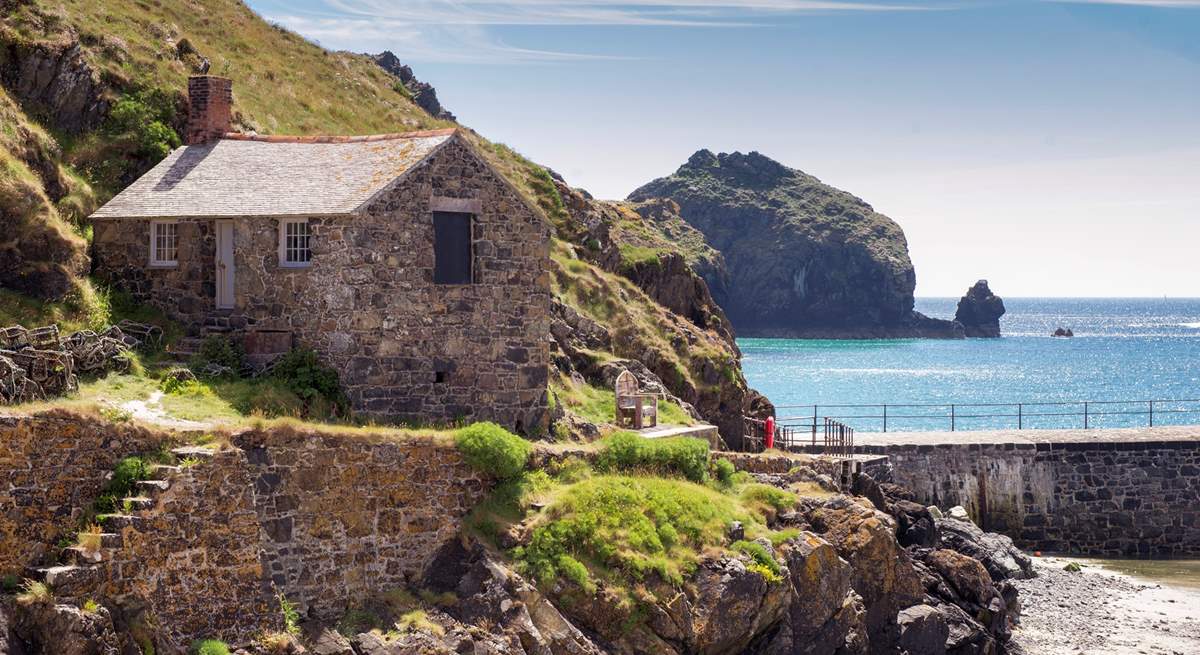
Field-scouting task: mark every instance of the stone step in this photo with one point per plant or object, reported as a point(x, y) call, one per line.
point(198, 452)
point(78, 556)
point(162, 471)
point(118, 522)
point(150, 487)
point(63, 578)
point(138, 503)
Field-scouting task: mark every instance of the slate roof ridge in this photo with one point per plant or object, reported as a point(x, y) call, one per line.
point(329, 138)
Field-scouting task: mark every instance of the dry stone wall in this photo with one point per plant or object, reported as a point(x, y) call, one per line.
point(324, 519)
point(1097, 498)
point(52, 466)
point(405, 347)
point(345, 516)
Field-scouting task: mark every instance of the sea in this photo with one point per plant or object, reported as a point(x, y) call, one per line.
point(1132, 361)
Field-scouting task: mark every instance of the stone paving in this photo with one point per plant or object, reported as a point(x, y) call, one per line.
point(1097, 435)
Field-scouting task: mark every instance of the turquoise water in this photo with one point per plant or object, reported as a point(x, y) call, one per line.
point(1123, 349)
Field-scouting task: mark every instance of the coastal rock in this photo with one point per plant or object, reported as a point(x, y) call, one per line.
point(979, 311)
point(826, 615)
point(1063, 332)
point(55, 78)
point(423, 93)
point(1002, 559)
point(883, 574)
point(803, 259)
point(923, 631)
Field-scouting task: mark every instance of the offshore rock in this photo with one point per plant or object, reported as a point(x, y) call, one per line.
point(803, 259)
point(979, 311)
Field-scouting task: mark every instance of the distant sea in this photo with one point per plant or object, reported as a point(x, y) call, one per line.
point(1123, 350)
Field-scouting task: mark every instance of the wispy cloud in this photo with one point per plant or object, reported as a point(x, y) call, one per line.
point(461, 30)
point(1166, 4)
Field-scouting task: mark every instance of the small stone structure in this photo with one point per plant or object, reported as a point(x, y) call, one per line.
point(405, 260)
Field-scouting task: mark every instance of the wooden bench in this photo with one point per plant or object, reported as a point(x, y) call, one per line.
point(635, 409)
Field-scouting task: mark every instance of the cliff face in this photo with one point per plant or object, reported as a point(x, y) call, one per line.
point(802, 258)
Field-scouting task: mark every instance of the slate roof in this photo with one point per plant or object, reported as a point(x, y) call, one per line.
point(243, 175)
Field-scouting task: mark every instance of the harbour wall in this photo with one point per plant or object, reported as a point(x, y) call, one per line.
point(1115, 494)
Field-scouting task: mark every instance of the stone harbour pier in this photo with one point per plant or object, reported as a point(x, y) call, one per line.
point(1111, 492)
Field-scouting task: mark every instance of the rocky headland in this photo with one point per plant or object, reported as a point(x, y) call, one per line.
point(422, 93)
point(798, 258)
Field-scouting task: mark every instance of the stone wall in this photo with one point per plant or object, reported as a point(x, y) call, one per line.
point(344, 516)
point(405, 347)
point(52, 466)
point(324, 519)
point(1097, 498)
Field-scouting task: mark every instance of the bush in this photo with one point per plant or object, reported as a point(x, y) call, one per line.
point(144, 118)
point(125, 477)
point(626, 451)
point(493, 450)
point(221, 351)
point(724, 470)
point(763, 564)
point(767, 499)
point(304, 374)
point(209, 647)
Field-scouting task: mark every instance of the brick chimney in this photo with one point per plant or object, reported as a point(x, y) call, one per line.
point(210, 112)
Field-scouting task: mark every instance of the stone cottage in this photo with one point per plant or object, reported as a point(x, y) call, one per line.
point(405, 260)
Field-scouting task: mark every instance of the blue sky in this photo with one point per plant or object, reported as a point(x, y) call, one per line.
point(1051, 147)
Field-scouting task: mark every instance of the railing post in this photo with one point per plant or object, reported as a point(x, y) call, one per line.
point(1151, 413)
point(1020, 416)
point(1085, 415)
point(885, 418)
point(952, 418)
point(814, 425)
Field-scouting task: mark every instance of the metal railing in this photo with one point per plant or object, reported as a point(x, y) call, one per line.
point(834, 437)
point(998, 416)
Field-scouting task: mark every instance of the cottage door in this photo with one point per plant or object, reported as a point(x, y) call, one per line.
point(224, 264)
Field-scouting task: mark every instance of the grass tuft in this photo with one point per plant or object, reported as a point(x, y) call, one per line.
point(493, 450)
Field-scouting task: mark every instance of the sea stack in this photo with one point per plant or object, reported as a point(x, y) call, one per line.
point(979, 311)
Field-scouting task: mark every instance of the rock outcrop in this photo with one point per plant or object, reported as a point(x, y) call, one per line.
point(803, 259)
point(979, 311)
point(422, 93)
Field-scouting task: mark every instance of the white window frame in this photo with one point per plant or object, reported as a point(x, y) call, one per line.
point(156, 260)
point(283, 246)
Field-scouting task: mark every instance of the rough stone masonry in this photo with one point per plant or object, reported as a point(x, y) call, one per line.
point(1093, 492)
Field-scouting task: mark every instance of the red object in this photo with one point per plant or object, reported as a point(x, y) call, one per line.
point(770, 438)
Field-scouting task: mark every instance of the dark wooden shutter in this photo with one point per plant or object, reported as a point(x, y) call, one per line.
point(451, 248)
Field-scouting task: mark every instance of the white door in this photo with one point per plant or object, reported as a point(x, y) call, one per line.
point(224, 264)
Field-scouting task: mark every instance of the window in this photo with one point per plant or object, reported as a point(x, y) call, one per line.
point(451, 248)
point(164, 243)
point(295, 240)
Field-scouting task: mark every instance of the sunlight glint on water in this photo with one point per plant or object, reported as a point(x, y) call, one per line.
point(1124, 349)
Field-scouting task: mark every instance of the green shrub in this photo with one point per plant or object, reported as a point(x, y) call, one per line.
point(209, 647)
point(627, 451)
point(291, 616)
point(493, 450)
point(305, 375)
point(764, 497)
point(221, 351)
point(127, 473)
point(764, 564)
point(724, 470)
point(143, 118)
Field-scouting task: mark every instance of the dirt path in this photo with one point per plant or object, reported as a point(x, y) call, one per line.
point(1101, 612)
point(151, 411)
